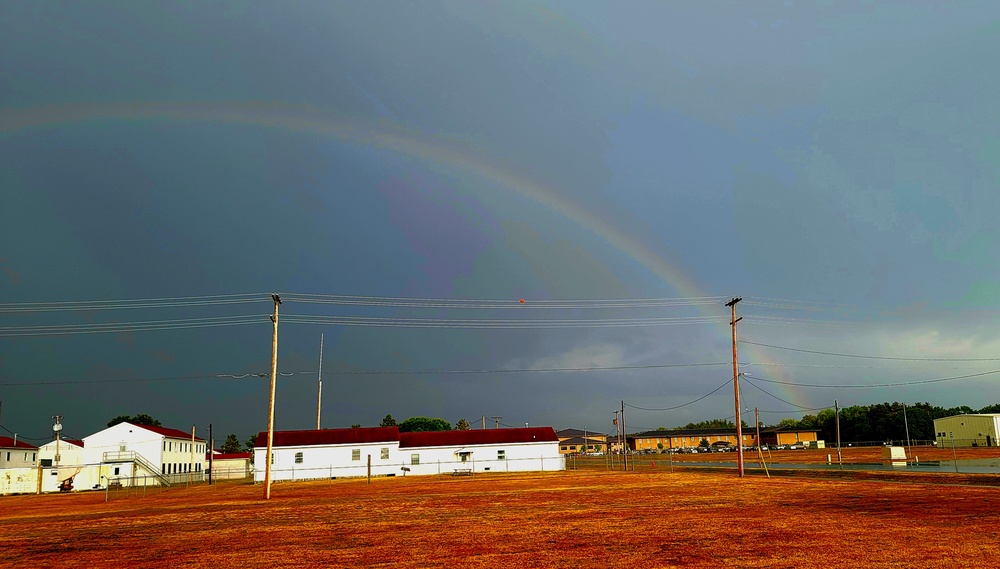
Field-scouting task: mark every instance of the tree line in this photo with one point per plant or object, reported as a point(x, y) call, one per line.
point(881, 421)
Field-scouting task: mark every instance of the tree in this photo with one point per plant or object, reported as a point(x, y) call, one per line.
point(251, 442)
point(659, 447)
point(356, 426)
point(703, 443)
point(140, 419)
point(388, 421)
point(232, 444)
point(462, 425)
point(422, 424)
point(711, 424)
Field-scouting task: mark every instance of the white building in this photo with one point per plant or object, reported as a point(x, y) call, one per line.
point(71, 463)
point(337, 453)
point(328, 453)
point(978, 429)
point(17, 454)
point(128, 454)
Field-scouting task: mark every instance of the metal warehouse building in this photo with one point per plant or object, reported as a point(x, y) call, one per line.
point(972, 430)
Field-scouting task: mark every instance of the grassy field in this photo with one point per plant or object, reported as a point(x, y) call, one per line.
point(570, 519)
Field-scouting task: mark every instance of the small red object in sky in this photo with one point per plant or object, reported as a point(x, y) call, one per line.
point(522, 301)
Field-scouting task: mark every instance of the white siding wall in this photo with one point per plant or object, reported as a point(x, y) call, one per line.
point(328, 461)
point(517, 457)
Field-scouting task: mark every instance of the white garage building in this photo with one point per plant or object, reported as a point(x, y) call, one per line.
point(338, 453)
point(972, 430)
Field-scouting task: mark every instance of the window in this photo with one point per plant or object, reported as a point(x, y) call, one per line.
point(8, 456)
point(164, 445)
point(414, 459)
point(298, 458)
point(116, 471)
point(572, 447)
point(356, 454)
point(163, 468)
point(385, 453)
point(501, 455)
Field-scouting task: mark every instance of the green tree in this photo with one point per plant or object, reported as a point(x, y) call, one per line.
point(232, 444)
point(140, 419)
point(703, 443)
point(659, 447)
point(388, 421)
point(711, 424)
point(462, 425)
point(251, 442)
point(356, 426)
point(421, 424)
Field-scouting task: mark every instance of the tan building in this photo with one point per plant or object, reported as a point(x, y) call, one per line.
point(574, 441)
point(663, 440)
point(972, 430)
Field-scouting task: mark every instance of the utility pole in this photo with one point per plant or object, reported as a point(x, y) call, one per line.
point(191, 466)
point(736, 389)
point(270, 401)
point(618, 435)
point(756, 425)
point(906, 424)
point(840, 459)
point(497, 419)
point(484, 422)
point(57, 427)
point(624, 439)
point(211, 453)
point(319, 395)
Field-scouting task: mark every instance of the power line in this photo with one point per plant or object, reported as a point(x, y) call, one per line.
point(521, 370)
point(416, 302)
point(165, 302)
point(871, 357)
point(140, 326)
point(761, 389)
point(375, 372)
point(881, 385)
point(496, 323)
point(728, 381)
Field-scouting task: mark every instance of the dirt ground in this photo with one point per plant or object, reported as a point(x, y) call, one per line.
point(569, 519)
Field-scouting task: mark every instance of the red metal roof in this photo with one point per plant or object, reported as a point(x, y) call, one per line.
point(168, 432)
point(478, 437)
point(229, 456)
point(330, 437)
point(8, 442)
point(73, 442)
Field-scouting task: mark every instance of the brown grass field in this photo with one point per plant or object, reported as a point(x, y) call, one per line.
point(586, 518)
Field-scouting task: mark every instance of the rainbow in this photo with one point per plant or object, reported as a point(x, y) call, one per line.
point(386, 136)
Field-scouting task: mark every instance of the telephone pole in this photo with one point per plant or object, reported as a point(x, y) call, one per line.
point(736, 389)
point(497, 419)
point(624, 439)
point(840, 459)
point(319, 395)
point(270, 400)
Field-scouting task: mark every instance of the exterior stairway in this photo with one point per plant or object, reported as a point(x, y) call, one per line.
point(136, 458)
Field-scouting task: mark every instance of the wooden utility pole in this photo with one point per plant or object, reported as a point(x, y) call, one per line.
point(319, 395)
point(270, 400)
point(840, 459)
point(624, 440)
point(497, 419)
point(756, 424)
point(484, 422)
point(191, 465)
point(736, 390)
point(211, 453)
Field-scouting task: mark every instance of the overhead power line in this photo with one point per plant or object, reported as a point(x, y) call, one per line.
point(773, 396)
point(492, 304)
point(138, 326)
point(496, 323)
point(881, 385)
point(728, 381)
point(870, 357)
point(166, 302)
point(373, 372)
